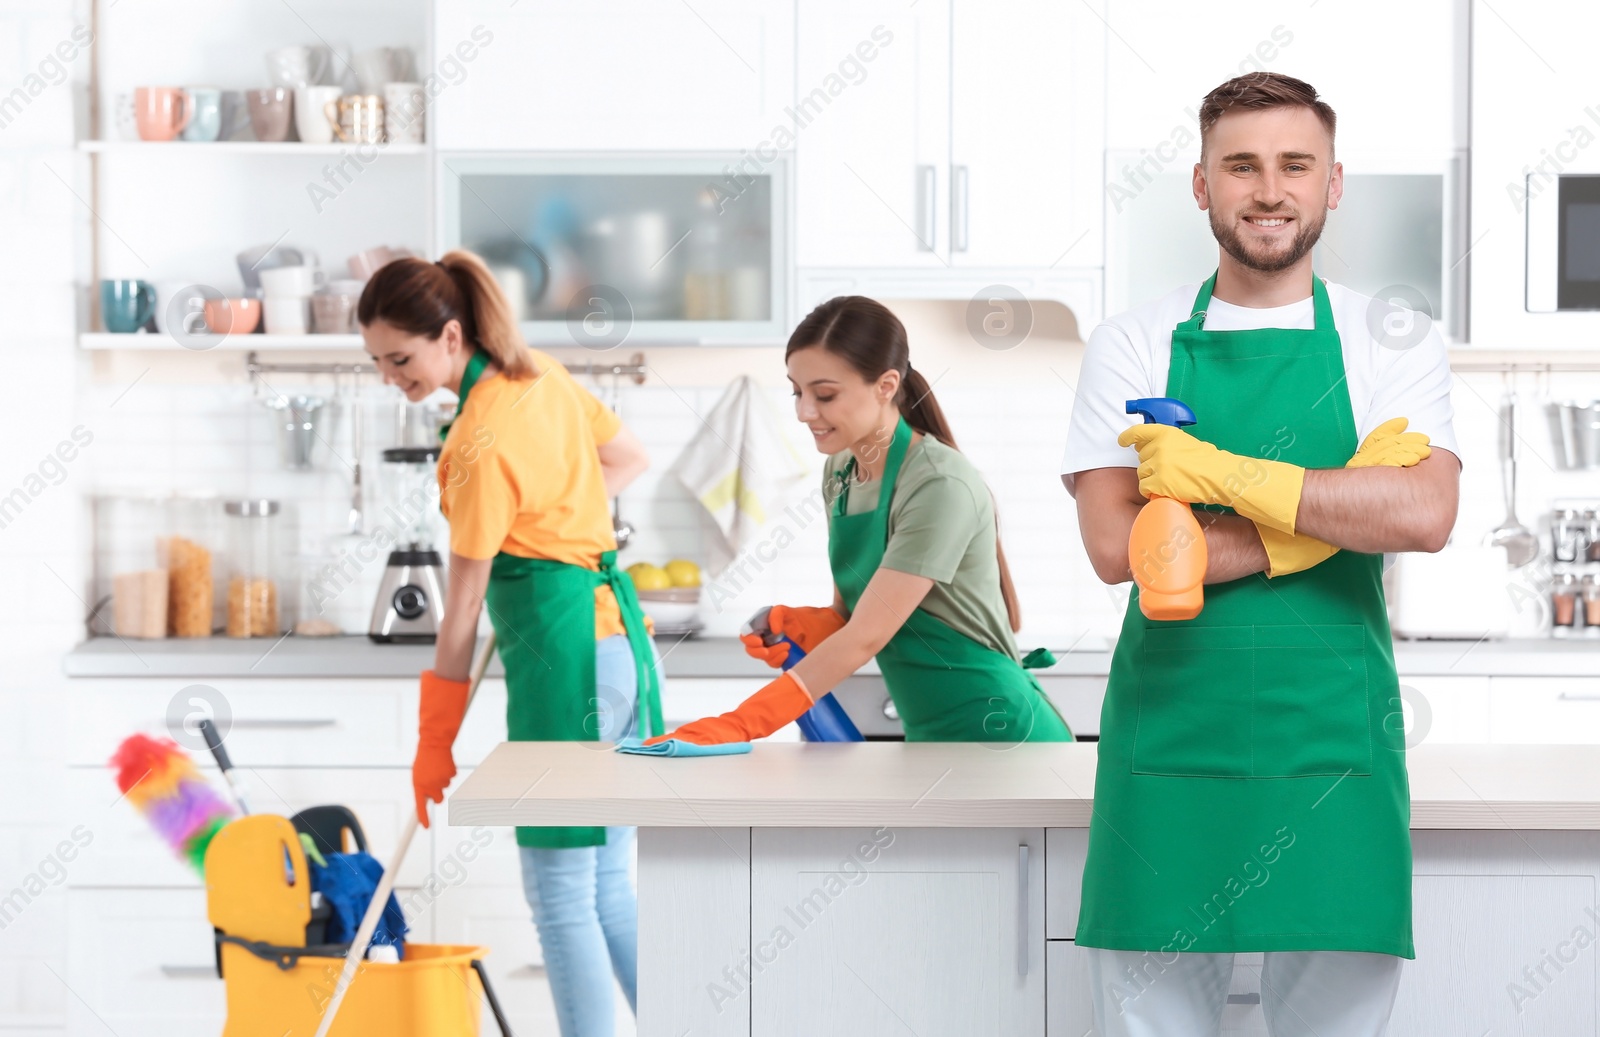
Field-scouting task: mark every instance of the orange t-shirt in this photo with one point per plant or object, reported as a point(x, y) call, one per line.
point(519, 473)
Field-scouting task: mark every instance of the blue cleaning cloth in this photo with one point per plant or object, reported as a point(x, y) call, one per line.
point(676, 747)
point(347, 883)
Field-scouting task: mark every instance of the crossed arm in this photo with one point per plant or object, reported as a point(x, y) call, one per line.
point(1370, 510)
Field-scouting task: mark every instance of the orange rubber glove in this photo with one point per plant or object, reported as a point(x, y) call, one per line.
point(444, 703)
point(805, 625)
point(758, 716)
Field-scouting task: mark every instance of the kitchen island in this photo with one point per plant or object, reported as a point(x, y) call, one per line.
point(932, 889)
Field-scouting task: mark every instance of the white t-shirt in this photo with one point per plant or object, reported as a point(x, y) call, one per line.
point(1128, 356)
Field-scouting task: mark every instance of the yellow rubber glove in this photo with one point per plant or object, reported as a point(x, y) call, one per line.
point(1173, 463)
point(1388, 444)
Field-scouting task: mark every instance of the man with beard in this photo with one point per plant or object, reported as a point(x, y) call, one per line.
point(1251, 791)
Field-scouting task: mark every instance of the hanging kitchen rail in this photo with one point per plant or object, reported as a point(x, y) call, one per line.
point(1527, 366)
point(635, 368)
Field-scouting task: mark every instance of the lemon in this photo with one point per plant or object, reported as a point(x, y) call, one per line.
point(647, 577)
point(683, 573)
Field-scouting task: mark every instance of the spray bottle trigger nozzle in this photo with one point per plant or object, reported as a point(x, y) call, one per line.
point(1161, 410)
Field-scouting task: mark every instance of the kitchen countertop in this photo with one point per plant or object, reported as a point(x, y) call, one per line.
point(958, 785)
point(712, 657)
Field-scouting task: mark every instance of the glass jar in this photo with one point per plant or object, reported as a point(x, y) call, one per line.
point(1568, 531)
point(1591, 605)
point(188, 552)
point(1591, 534)
point(253, 568)
point(130, 577)
point(1563, 604)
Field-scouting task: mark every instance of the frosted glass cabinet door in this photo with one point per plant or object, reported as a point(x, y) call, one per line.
point(862, 932)
point(612, 74)
point(872, 143)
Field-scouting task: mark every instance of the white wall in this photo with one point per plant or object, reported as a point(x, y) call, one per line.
point(41, 553)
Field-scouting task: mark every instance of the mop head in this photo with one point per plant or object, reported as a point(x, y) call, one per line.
point(159, 779)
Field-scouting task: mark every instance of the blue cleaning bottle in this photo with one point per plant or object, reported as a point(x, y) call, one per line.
point(826, 720)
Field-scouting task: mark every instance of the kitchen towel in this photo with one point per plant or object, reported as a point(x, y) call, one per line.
point(676, 747)
point(740, 467)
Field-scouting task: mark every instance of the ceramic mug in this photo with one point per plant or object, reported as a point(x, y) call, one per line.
point(206, 123)
point(271, 111)
point(235, 116)
point(364, 264)
point(124, 115)
point(162, 112)
point(310, 113)
point(290, 280)
point(232, 316)
point(357, 118)
point(382, 65)
point(402, 113)
point(125, 305)
point(285, 315)
point(180, 308)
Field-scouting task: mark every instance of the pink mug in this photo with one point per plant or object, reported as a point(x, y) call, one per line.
point(161, 112)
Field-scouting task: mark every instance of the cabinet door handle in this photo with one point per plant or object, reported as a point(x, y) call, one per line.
point(189, 971)
point(1579, 696)
point(1244, 999)
point(958, 208)
point(1022, 910)
point(286, 723)
point(925, 213)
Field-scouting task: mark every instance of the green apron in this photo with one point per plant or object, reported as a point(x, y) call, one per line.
point(946, 686)
point(543, 617)
point(1251, 793)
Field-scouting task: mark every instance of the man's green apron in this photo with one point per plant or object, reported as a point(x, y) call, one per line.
point(543, 617)
point(945, 686)
point(1251, 793)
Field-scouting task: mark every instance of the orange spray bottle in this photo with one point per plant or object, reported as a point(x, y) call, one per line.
point(1167, 549)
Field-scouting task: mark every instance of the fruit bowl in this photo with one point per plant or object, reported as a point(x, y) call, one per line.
point(675, 608)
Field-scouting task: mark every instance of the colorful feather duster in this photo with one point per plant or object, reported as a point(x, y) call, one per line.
point(158, 778)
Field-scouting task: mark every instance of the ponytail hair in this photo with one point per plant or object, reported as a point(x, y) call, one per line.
point(870, 338)
point(419, 298)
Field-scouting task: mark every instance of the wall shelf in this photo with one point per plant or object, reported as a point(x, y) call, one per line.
point(242, 147)
point(146, 340)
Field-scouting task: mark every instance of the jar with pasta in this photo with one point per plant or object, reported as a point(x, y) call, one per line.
point(253, 568)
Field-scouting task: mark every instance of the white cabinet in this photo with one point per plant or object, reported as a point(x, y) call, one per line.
point(1439, 710)
point(1027, 134)
point(613, 75)
point(1505, 932)
point(1156, 80)
point(970, 138)
point(930, 931)
point(140, 963)
point(873, 146)
point(1518, 150)
point(1545, 710)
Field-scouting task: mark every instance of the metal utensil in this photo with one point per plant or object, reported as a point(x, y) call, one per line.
point(357, 517)
point(1521, 545)
point(621, 528)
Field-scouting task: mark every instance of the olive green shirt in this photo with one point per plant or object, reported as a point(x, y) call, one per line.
point(941, 526)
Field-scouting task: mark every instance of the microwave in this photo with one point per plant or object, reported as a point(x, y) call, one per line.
point(1563, 267)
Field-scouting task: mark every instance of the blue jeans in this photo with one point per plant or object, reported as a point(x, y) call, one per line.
point(583, 902)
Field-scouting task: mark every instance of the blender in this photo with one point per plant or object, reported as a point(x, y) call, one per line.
point(410, 602)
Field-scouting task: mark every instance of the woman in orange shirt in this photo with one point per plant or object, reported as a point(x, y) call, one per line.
point(525, 474)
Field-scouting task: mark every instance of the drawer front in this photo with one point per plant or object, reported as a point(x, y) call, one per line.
point(265, 723)
point(1445, 710)
point(1543, 710)
point(140, 961)
point(126, 851)
point(1064, 853)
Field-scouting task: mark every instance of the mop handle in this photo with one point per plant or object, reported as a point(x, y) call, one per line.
point(369, 921)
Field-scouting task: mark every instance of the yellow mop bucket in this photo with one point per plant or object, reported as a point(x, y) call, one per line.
point(435, 992)
point(280, 977)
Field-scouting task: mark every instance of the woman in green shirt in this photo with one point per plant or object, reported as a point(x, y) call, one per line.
point(920, 581)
